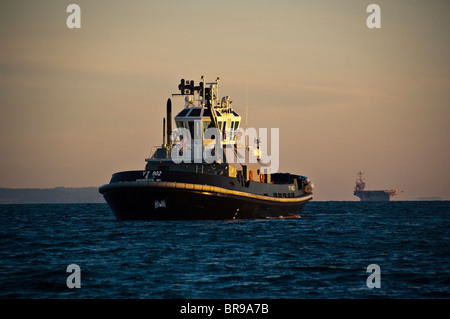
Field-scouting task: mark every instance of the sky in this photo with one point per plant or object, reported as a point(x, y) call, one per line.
point(77, 105)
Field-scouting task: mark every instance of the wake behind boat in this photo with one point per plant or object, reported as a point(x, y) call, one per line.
point(209, 168)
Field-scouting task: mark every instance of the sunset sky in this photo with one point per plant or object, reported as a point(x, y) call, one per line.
point(77, 105)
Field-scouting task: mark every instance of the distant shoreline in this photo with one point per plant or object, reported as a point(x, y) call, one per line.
point(57, 195)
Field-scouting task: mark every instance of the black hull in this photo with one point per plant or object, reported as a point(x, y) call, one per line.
point(171, 201)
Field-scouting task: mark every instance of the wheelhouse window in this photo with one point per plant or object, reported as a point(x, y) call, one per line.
point(207, 125)
point(181, 124)
point(191, 128)
point(195, 112)
point(183, 112)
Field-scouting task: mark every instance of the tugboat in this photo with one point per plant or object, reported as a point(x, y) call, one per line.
point(373, 195)
point(206, 169)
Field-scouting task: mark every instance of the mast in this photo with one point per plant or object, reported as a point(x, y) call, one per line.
point(360, 185)
point(209, 104)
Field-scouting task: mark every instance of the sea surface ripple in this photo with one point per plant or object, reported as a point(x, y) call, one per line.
point(323, 254)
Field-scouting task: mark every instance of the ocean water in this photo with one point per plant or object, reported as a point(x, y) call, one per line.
point(324, 254)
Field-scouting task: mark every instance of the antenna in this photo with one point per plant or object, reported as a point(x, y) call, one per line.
point(360, 175)
point(203, 91)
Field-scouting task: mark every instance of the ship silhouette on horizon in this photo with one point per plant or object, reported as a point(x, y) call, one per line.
point(373, 195)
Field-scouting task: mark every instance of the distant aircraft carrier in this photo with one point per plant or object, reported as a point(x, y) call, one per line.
point(377, 195)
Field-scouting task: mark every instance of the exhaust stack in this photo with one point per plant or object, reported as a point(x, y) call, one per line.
point(169, 122)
